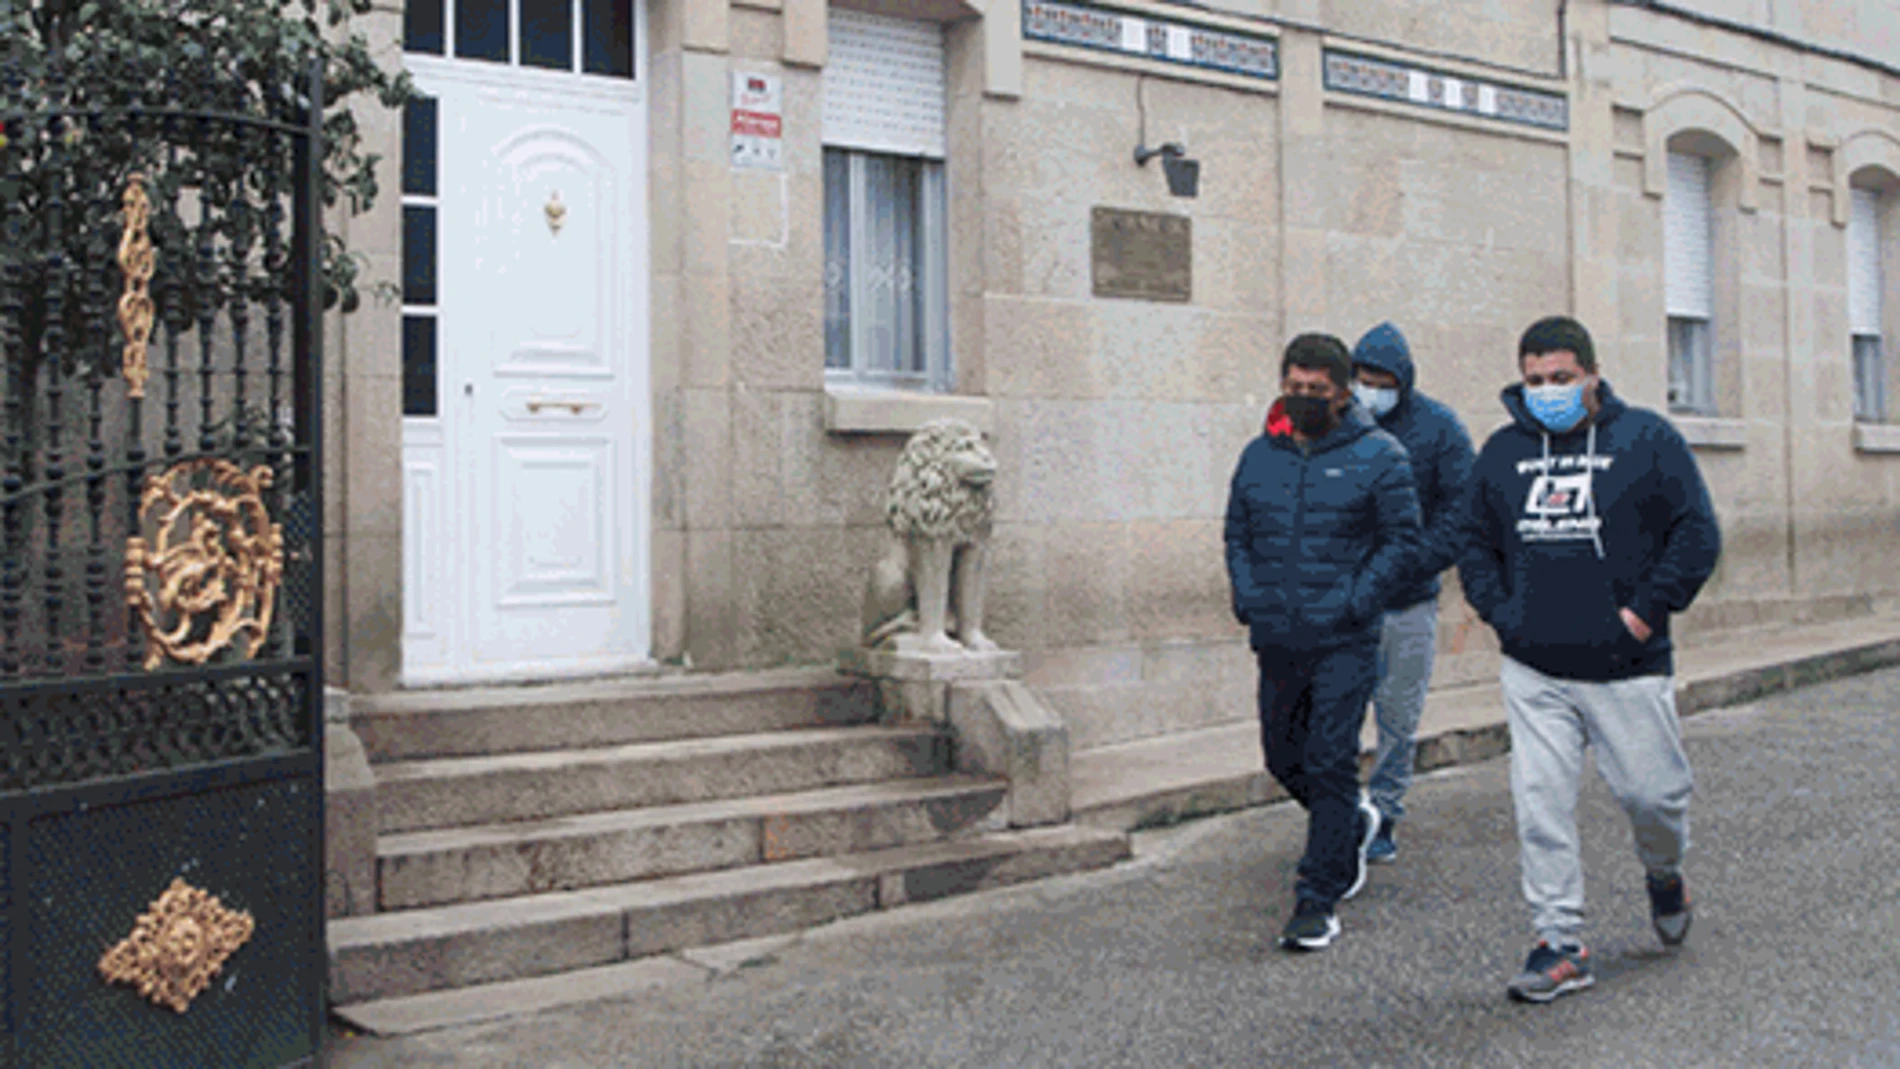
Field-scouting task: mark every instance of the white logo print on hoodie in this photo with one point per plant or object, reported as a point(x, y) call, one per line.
point(1563, 507)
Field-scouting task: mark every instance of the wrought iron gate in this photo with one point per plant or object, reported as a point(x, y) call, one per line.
point(161, 780)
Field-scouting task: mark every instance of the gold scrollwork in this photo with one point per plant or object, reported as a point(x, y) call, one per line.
point(138, 260)
point(210, 575)
point(177, 945)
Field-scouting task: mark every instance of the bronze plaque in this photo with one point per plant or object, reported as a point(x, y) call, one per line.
point(1145, 255)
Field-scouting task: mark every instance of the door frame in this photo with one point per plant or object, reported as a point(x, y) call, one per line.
point(454, 604)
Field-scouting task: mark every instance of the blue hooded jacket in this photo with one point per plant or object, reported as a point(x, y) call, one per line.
point(1568, 529)
point(1441, 455)
point(1319, 536)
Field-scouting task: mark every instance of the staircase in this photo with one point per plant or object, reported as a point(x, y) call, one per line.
point(532, 832)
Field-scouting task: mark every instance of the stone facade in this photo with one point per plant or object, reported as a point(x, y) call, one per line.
point(1345, 189)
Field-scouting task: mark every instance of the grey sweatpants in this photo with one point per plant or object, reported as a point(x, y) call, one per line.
point(1632, 726)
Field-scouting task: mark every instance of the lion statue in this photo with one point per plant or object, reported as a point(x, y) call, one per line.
point(928, 585)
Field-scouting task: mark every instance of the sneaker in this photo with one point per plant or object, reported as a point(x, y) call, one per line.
point(1312, 927)
point(1551, 972)
point(1365, 826)
point(1669, 907)
point(1383, 849)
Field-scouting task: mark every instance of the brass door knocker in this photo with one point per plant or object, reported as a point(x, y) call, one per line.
point(556, 212)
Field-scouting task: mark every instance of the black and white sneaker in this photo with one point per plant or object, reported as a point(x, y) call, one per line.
point(1669, 907)
point(1365, 827)
point(1312, 927)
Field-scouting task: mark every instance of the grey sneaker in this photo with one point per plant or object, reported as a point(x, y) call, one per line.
point(1552, 971)
point(1312, 927)
point(1669, 906)
point(1365, 827)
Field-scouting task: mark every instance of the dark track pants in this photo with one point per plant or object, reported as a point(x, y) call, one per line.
point(1312, 704)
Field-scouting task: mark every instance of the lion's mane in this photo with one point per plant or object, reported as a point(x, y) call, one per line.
point(929, 499)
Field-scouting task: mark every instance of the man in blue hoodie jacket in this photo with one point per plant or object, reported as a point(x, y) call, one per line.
point(1322, 522)
point(1440, 452)
point(1590, 526)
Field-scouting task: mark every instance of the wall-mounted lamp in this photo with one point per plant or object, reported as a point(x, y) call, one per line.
point(1184, 174)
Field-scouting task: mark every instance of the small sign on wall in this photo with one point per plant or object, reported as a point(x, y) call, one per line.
point(1146, 256)
point(757, 122)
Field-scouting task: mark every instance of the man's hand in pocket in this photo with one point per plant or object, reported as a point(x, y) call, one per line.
point(1635, 625)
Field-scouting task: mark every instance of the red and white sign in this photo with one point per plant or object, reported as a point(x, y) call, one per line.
point(757, 122)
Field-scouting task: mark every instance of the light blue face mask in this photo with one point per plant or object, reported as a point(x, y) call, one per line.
point(1558, 408)
point(1378, 399)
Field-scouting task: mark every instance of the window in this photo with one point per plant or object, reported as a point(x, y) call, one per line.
point(1864, 306)
point(1689, 284)
point(584, 36)
point(886, 294)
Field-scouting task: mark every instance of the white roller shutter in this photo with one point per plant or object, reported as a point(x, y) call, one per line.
point(1688, 239)
point(1863, 263)
point(884, 85)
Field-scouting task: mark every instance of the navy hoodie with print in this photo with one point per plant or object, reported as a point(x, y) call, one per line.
point(1319, 535)
point(1441, 456)
point(1568, 529)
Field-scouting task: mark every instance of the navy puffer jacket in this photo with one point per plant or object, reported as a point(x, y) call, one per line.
point(1319, 536)
point(1440, 451)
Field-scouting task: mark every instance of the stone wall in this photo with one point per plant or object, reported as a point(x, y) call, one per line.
point(1117, 422)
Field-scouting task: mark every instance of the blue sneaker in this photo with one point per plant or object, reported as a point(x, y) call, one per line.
point(1383, 850)
point(1364, 828)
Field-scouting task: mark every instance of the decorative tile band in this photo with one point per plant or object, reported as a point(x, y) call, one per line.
point(1158, 39)
point(1348, 72)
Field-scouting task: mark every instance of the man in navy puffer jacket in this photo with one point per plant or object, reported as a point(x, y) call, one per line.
point(1322, 525)
point(1441, 456)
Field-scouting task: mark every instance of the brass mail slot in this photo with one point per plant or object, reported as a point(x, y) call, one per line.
point(575, 407)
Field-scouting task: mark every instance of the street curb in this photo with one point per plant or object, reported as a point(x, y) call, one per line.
point(1227, 794)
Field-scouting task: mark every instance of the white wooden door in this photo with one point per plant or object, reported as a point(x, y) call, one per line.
point(543, 326)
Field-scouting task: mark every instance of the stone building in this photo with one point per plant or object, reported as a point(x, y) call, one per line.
point(679, 275)
point(652, 384)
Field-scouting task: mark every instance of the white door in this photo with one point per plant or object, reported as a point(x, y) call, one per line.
point(544, 378)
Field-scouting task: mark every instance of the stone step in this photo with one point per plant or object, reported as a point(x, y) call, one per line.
point(433, 868)
point(408, 725)
point(392, 955)
point(463, 791)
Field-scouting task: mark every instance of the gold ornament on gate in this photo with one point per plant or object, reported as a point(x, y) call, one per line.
point(177, 945)
point(208, 579)
point(138, 260)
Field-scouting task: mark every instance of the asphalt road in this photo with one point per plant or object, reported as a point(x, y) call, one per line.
point(1169, 960)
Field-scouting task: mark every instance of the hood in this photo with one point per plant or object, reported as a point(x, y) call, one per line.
point(1609, 406)
point(1384, 349)
point(1354, 422)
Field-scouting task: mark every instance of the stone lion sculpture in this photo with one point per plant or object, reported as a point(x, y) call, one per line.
point(928, 585)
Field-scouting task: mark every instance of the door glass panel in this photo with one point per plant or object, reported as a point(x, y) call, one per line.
point(418, 146)
point(418, 254)
point(609, 36)
point(418, 365)
point(481, 29)
point(547, 34)
point(422, 26)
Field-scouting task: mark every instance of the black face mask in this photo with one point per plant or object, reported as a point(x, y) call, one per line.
point(1311, 416)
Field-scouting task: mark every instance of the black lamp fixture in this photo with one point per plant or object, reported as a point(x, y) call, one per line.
point(1184, 174)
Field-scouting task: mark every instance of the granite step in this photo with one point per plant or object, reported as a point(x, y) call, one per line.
point(481, 721)
point(462, 791)
point(442, 867)
point(394, 955)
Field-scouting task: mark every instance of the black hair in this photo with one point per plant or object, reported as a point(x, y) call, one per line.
point(1556, 334)
point(1320, 352)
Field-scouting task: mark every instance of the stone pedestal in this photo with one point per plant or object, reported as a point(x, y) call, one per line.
point(998, 726)
point(349, 814)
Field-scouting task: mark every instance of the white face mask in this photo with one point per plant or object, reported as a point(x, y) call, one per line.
point(1378, 399)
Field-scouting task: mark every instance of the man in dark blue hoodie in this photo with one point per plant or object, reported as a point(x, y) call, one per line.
point(1590, 526)
point(1322, 522)
point(1440, 452)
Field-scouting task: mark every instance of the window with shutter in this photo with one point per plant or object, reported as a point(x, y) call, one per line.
point(1688, 239)
point(1863, 263)
point(886, 293)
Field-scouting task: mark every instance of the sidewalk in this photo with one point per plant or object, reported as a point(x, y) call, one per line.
point(1156, 782)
